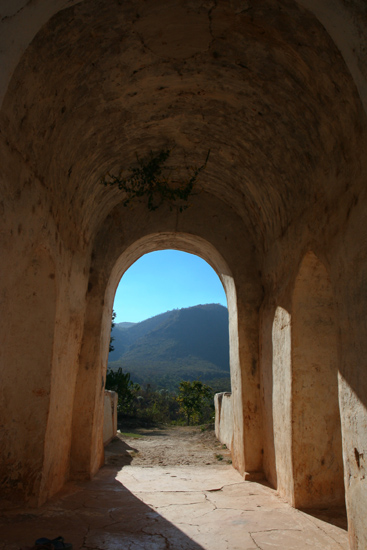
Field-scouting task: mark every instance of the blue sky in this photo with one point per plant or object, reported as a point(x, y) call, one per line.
point(165, 280)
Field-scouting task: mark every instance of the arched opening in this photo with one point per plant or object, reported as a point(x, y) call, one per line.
point(87, 452)
point(197, 247)
point(170, 335)
point(316, 440)
point(173, 309)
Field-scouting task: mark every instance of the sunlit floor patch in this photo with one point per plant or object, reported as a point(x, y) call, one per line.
point(170, 508)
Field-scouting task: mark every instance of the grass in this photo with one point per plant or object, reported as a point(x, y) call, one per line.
point(130, 434)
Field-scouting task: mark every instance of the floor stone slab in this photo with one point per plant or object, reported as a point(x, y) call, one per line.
point(171, 508)
point(301, 539)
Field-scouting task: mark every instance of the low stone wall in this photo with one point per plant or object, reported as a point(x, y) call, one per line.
point(224, 418)
point(110, 416)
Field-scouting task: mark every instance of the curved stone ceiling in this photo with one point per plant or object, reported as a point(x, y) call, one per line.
point(261, 85)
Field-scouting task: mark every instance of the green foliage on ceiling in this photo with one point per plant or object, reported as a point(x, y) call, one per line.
point(151, 179)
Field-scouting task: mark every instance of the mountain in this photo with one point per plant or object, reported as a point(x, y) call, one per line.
point(122, 326)
point(183, 344)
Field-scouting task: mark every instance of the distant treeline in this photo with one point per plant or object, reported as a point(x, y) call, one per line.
point(183, 344)
point(191, 404)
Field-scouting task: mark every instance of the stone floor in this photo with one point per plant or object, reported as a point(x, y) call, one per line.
point(172, 508)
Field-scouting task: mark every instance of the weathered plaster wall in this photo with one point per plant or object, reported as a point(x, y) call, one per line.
point(302, 415)
point(349, 268)
point(90, 40)
point(266, 348)
point(282, 403)
point(41, 328)
point(109, 416)
point(42, 293)
point(316, 429)
point(20, 21)
point(25, 399)
point(66, 349)
point(338, 244)
point(346, 22)
point(224, 418)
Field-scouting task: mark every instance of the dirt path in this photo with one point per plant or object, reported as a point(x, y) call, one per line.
point(170, 446)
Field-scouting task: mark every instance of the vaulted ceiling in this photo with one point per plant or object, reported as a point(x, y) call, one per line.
point(261, 84)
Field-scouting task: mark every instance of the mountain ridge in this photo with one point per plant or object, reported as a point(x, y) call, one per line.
point(181, 344)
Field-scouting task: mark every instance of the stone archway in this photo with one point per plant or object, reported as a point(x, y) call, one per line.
point(86, 450)
point(317, 459)
point(200, 247)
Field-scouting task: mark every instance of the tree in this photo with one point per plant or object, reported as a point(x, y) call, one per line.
point(120, 382)
point(193, 398)
point(111, 337)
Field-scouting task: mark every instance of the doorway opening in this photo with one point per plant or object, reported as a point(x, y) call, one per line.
point(204, 249)
point(170, 351)
point(170, 338)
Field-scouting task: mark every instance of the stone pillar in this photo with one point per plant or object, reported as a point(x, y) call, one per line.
point(224, 418)
point(316, 429)
point(350, 268)
point(87, 454)
point(110, 416)
point(28, 304)
point(282, 403)
point(247, 451)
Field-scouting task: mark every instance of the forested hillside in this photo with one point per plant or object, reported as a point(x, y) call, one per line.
point(183, 344)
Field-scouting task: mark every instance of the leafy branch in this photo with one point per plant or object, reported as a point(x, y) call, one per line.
point(150, 178)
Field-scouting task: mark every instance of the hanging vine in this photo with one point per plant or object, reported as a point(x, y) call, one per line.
point(150, 179)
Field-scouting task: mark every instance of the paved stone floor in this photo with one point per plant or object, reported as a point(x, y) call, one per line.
point(171, 508)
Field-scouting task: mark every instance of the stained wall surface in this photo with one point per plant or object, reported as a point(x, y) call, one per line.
point(224, 418)
point(109, 416)
point(277, 91)
point(317, 447)
point(282, 403)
